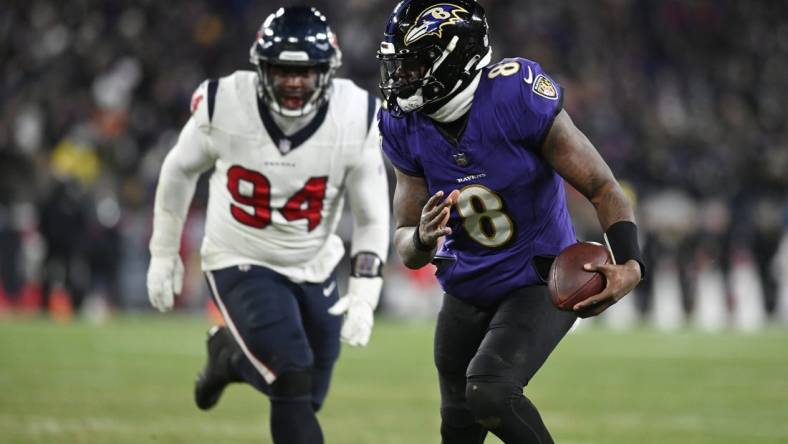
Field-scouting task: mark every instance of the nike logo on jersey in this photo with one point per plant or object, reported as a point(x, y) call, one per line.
point(330, 289)
point(530, 77)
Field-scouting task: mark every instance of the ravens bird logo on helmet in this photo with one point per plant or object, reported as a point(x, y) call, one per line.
point(433, 20)
point(430, 51)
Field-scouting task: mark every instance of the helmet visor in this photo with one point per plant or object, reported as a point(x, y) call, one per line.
point(401, 75)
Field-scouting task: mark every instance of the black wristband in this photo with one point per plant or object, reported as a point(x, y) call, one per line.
point(366, 264)
point(622, 239)
point(421, 246)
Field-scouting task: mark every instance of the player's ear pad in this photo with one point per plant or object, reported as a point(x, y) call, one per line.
point(542, 266)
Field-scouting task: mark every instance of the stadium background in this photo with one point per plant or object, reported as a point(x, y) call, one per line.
point(683, 98)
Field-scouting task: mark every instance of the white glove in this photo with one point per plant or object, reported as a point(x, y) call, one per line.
point(358, 304)
point(165, 279)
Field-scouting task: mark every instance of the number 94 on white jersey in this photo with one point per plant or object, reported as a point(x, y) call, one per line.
point(277, 203)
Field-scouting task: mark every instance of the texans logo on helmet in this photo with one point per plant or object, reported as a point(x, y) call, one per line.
point(432, 21)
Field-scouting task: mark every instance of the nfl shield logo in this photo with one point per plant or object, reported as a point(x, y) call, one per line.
point(284, 146)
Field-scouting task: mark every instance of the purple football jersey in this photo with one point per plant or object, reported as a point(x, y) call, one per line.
point(512, 204)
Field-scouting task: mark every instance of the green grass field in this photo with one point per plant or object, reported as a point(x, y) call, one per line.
point(130, 381)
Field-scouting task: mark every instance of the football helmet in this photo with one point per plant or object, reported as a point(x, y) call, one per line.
point(295, 37)
point(430, 51)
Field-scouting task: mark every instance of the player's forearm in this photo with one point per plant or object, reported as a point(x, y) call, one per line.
point(173, 196)
point(412, 256)
point(612, 204)
point(573, 156)
point(368, 193)
point(617, 219)
point(373, 238)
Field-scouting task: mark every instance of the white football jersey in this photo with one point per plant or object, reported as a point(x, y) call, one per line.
point(276, 200)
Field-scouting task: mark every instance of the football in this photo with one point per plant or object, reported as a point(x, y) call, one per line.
point(568, 282)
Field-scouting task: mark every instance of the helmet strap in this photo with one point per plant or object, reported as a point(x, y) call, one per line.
point(484, 60)
point(449, 48)
point(457, 101)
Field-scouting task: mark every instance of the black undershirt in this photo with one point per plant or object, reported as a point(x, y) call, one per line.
point(452, 131)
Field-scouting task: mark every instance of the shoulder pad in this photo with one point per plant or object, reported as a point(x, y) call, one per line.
point(541, 84)
point(355, 101)
point(526, 77)
point(203, 101)
point(372, 105)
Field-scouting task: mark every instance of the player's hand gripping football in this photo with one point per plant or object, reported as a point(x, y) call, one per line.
point(165, 280)
point(621, 279)
point(358, 305)
point(435, 216)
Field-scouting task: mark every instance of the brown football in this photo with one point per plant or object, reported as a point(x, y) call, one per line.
point(568, 282)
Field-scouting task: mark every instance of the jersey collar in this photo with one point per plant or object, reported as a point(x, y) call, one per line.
point(458, 105)
point(285, 143)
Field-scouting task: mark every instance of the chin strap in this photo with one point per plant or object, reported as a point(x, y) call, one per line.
point(460, 102)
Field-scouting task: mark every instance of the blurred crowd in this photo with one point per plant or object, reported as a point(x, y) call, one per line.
point(682, 97)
